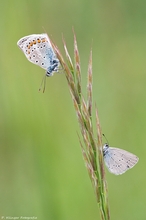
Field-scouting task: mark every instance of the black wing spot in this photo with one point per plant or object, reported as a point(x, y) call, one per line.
point(36, 61)
point(42, 64)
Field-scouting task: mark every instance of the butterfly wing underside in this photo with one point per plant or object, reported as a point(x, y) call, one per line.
point(118, 161)
point(37, 49)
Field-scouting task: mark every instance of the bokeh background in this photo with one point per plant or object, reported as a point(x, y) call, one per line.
point(42, 173)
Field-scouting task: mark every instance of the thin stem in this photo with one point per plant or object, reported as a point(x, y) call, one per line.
point(91, 149)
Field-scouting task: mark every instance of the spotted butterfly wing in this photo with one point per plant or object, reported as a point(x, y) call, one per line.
point(118, 161)
point(38, 50)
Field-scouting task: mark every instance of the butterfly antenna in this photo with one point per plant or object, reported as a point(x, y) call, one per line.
point(44, 29)
point(105, 138)
point(43, 82)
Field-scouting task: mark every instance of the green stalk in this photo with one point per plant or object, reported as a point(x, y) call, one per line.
point(91, 148)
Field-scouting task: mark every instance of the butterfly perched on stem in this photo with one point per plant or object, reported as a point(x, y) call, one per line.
point(38, 50)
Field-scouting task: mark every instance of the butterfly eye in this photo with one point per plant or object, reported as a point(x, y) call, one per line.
point(54, 61)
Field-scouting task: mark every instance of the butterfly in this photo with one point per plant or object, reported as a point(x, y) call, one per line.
point(38, 50)
point(118, 161)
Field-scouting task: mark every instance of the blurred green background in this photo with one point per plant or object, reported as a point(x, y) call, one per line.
point(42, 172)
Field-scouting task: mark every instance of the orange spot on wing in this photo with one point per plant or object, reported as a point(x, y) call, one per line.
point(39, 41)
point(31, 43)
point(43, 40)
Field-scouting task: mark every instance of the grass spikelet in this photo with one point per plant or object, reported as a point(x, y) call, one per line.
point(77, 65)
point(91, 145)
point(89, 85)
